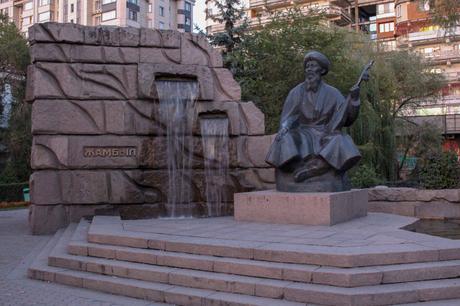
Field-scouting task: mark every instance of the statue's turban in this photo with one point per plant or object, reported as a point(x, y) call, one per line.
point(320, 58)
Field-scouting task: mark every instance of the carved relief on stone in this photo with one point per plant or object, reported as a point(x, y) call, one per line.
point(69, 53)
point(133, 117)
point(81, 81)
point(132, 152)
point(131, 186)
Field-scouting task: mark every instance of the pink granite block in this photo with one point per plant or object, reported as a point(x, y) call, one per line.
point(101, 252)
point(185, 296)
point(136, 256)
point(185, 261)
point(300, 208)
point(250, 269)
point(67, 279)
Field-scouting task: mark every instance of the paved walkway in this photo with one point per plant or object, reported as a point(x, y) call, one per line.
point(17, 249)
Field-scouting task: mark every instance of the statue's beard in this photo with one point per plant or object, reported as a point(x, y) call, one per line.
point(312, 81)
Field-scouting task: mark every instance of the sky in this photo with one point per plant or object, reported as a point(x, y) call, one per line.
point(199, 16)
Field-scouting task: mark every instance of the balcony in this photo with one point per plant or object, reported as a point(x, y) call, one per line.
point(421, 38)
point(452, 76)
point(269, 3)
point(452, 124)
point(440, 57)
point(385, 15)
point(448, 124)
point(19, 2)
point(264, 4)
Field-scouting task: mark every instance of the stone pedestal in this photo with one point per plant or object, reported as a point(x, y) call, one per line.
point(325, 208)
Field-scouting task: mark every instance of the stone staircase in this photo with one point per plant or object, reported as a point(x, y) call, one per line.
point(180, 269)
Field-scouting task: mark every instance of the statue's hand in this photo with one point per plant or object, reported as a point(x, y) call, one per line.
point(365, 76)
point(354, 92)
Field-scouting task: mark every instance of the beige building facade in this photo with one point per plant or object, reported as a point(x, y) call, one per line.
point(160, 14)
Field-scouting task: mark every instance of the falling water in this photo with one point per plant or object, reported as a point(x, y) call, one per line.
point(177, 99)
point(214, 133)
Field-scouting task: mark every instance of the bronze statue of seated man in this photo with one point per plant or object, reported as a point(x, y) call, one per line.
point(310, 152)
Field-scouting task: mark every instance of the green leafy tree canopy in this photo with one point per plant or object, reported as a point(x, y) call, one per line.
point(14, 58)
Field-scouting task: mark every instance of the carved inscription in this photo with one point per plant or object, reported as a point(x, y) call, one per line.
point(109, 151)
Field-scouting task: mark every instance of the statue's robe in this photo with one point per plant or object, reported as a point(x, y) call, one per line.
point(314, 121)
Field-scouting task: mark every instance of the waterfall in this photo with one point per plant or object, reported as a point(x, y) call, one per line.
point(214, 133)
point(176, 111)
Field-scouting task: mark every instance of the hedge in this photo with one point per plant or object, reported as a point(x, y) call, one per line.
point(12, 192)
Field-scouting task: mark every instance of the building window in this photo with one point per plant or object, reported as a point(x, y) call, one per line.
point(42, 17)
point(188, 21)
point(386, 27)
point(385, 8)
point(398, 11)
point(162, 25)
point(132, 15)
point(109, 15)
point(424, 5)
point(44, 2)
point(72, 7)
point(107, 1)
point(430, 50)
point(27, 20)
point(162, 11)
point(28, 6)
point(388, 45)
point(134, 2)
point(373, 28)
point(97, 5)
point(150, 7)
point(71, 20)
point(188, 6)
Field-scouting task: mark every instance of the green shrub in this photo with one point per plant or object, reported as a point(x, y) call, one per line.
point(440, 171)
point(364, 176)
point(12, 192)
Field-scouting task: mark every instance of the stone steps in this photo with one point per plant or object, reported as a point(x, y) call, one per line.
point(157, 292)
point(155, 282)
point(109, 231)
point(192, 278)
point(341, 277)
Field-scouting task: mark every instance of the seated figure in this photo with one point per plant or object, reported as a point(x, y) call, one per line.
point(310, 152)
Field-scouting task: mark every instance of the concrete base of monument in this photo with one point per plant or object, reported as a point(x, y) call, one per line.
point(325, 208)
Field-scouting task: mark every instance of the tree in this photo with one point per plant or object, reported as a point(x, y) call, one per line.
point(269, 63)
point(445, 13)
point(14, 54)
point(231, 14)
point(421, 140)
point(14, 58)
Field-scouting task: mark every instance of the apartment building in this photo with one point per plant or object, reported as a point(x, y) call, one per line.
point(259, 12)
point(161, 14)
point(394, 24)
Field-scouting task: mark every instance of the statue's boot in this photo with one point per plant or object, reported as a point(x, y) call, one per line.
point(313, 167)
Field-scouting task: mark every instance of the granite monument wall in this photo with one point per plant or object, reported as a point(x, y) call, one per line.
point(419, 203)
point(98, 146)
